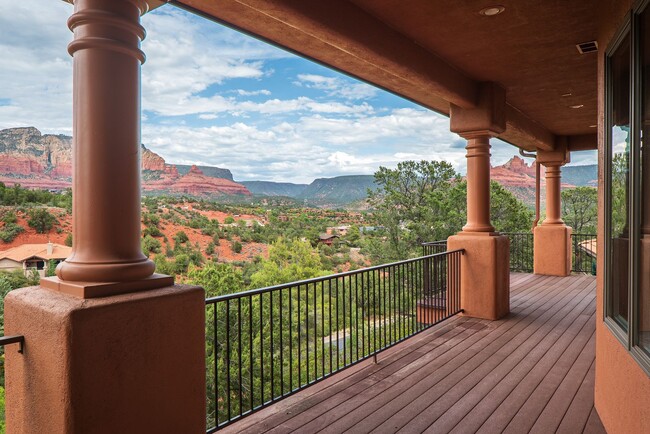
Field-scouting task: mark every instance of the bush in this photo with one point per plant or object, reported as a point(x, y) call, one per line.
point(181, 237)
point(68, 240)
point(150, 245)
point(41, 220)
point(9, 217)
point(9, 232)
point(229, 220)
point(236, 247)
point(152, 231)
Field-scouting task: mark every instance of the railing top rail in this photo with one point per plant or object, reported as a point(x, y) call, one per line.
point(431, 243)
point(13, 339)
point(257, 291)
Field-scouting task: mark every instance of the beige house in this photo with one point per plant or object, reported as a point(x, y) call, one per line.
point(30, 257)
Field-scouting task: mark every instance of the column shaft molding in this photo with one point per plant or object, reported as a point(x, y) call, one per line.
point(106, 255)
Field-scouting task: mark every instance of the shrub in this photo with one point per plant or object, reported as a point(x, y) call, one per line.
point(152, 231)
point(68, 240)
point(229, 220)
point(181, 237)
point(9, 217)
point(41, 220)
point(10, 231)
point(150, 245)
point(209, 249)
point(236, 247)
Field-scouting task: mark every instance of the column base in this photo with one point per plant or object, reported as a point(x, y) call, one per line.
point(105, 289)
point(552, 250)
point(484, 274)
point(124, 364)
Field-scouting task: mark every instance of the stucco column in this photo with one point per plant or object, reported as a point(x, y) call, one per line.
point(552, 243)
point(553, 202)
point(109, 347)
point(106, 152)
point(485, 272)
point(478, 184)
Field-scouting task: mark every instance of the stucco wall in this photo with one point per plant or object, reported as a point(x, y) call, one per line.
point(8, 265)
point(622, 387)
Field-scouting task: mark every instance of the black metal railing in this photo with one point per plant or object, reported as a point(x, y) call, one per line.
point(13, 339)
point(521, 251)
point(265, 344)
point(433, 247)
point(583, 248)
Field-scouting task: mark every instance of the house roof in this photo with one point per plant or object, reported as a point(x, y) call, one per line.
point(438, 53)
point(324, 237)
point(26, 251)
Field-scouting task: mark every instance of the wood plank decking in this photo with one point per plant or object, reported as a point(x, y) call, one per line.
point(530, 372)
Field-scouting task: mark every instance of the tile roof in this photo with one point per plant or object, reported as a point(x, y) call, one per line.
point(26, 251)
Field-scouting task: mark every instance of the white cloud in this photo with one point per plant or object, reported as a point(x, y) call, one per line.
point(36, 70)
point(337, 87)
point(243, 92)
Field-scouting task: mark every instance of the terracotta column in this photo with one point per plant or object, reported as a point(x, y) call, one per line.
point(552, 243)
point(113, 349)
point(553, 197)
point(485, 271)
point(106, 152)
point(478, 184)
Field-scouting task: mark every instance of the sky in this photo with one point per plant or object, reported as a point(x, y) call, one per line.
point(213, 96)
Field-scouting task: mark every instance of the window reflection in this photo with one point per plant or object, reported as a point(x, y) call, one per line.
point(619, 182)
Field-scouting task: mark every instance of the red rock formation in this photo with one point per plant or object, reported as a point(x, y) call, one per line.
point(34, 160)
point(196, 183)
point(152, 161)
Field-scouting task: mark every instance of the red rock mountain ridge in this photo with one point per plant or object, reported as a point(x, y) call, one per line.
point(34, 160)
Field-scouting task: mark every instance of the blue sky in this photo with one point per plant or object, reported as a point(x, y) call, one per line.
point(212, 96)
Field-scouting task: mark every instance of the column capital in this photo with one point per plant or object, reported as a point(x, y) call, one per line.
point(488, 118)
point(557, 157)
point(144, 5)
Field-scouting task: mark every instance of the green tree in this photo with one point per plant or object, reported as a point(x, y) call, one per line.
point(41, 220)
point(236, 247)
point(580, 209)
point(288, 261)
point(403, 202)
point(216, 279)
point(68, 240)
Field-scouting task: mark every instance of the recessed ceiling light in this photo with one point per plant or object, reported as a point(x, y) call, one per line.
point(564, 95)
point(577, 106)
point(593, 126)
point(492, 11)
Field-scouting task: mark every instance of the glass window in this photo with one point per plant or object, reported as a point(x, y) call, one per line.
point(643, 276)
point(618, 236)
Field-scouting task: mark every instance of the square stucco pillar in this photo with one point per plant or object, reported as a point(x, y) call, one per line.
point(485, 274)
point(552, 250)
point(131, 363)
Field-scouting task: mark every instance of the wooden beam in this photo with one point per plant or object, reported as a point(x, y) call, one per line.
point(525, 133)
point(340, 34)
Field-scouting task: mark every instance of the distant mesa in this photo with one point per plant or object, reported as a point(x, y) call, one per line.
point(42, 161)
point(35, 160)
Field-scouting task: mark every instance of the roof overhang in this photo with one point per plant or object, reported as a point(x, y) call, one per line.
point(439, 53)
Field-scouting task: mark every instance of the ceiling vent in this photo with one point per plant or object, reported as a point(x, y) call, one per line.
point(587, 47)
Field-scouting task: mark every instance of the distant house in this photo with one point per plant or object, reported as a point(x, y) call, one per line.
point(30, 257)
point(327, 239)
point(340, 230)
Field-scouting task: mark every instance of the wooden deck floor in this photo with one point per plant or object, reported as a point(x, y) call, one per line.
point(530, 372)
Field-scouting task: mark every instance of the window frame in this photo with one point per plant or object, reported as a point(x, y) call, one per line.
point(629, 338)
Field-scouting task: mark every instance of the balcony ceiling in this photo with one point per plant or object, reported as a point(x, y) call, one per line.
point(437, 52)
